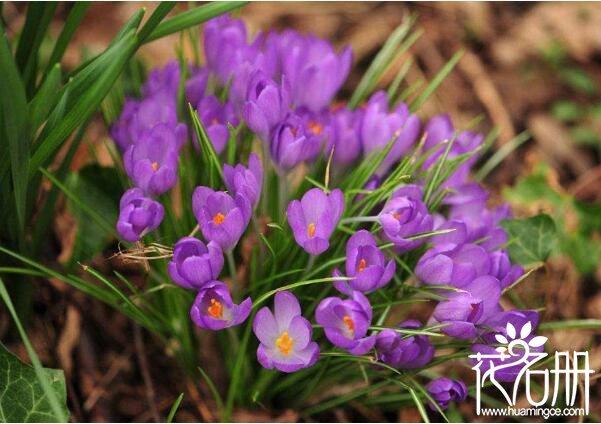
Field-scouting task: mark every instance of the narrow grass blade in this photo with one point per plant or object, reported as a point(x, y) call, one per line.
point(501, 154)
point(436, 81)
point(419, 405)
point(76, 15)
point(46, 98)
point(157, 16)
point(193, 17)
point(35, 361)
point(174, 408)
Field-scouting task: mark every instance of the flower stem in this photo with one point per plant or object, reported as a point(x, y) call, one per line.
point(232, 266)
point(352, 219)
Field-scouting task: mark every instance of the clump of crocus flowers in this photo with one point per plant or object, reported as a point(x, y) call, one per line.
point(280, 88)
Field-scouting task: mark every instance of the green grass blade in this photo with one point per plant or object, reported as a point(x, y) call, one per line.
point(155, 19)
point(15, 127)
point(193, 17)
point(501, 154)
point(436, 81)
point(419, 405)
point(35, 361)
point(46, 98)
point(174, 408)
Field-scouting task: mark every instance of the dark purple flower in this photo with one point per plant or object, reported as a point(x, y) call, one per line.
point(346, 322)
point(221, 217)
point(151, 163)
point(215, 116)
point(213, 308)
point(366, 264)
point(345, 136)
point(194, 264)
point(245, 181)
point(196, 85)
point(451, 265)
point(405, 215)
point(284, 336)
point(225, 46)
point(503, 270)
point(313, 219)
point(399, 351)
point(295, 140)
point(267, 104)
point(379, 127)
point(444, 390)
point(520, 320)
point(312, 67)
point(138, 215)
point(475, 305)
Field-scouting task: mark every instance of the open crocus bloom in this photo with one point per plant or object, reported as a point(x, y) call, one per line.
point(194, 263)
point(346, 322)
point(284, 336)
point(314, 218)
point(220, 217)
point(213, 308)
point(366, 263)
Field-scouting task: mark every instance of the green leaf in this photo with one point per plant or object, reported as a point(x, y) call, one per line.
point(531, 240)
point(46, 98)
point(193, 17)
point(29, 394)
point(22, 398)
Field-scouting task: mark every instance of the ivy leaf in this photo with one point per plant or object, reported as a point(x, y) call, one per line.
point(22, 398)
point(530, 240)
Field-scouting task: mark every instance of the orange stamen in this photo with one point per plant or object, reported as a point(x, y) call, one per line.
point(219, 218)
point(155, 166)
point(348, 321)
point(396, 215)
point(216, 309)
point(284, 343)
point(362, 265)
point(311, 230)
point(315, 127)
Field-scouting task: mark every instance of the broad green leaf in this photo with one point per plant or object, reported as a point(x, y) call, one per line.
point(22, 398)
point(531, 239)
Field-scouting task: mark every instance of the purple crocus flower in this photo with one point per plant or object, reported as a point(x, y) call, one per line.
point(345, 135)
point(314, 218)
point(312, 67)
point(138, 215)
point(503, 270)
point(444, 390)
point(215, 116)
point(379, 127)
point(213, 308)
point(346, 322)
point(284, 336)
point(366, 264)
point(476, 304)
point(196, 85)
point(405, 215)
point(163, 81)
point(221, 217)
point(399, 351)
point(452, 265)
point(293, 141)
point(245, 181)
point(194, 264)
point(151, 163)
point(266, 105)
point(225, 46)
point(504, 370)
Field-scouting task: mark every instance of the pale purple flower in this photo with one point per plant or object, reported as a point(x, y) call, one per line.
point(346, 322)
point(163, 81)
point(314, 218)
point(213, 308)
point(405, 215)
point(345, 136)
point(379, 126)
point(503, 270)
point(196, 85)
point(365, 264)
point(221, 217)
point(151, 162)
point(284, 336)
point(293, 141)
point(245, 181)
point(215, 117)
point(444, 390)
point(194, 263)
point(138, 215)
point(401, 351)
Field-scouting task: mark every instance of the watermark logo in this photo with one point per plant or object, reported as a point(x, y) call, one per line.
point(517, 355)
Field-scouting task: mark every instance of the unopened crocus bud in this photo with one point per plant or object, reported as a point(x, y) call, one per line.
point(245, 181)
point(138, 215)
point(266, 105)
point(194, 263)
point(444, 390)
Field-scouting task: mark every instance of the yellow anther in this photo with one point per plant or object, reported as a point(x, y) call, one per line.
point(285, 343)
point(219, 218)
point(311, 230)
point(216, 309)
